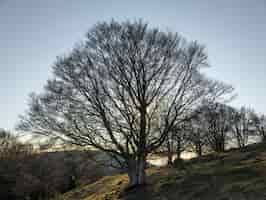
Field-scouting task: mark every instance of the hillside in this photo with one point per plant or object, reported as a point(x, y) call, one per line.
point(45, 174)
point(233, 175)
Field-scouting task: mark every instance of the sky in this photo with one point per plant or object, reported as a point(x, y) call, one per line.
point(34, 32)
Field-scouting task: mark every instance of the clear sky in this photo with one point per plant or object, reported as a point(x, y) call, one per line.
point(34, 32)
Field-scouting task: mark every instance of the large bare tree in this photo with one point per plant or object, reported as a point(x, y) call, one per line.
point(109, 91)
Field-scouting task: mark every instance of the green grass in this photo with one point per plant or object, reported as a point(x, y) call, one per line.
point(234, 175)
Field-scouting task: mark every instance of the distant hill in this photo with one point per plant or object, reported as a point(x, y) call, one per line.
point(233, 175)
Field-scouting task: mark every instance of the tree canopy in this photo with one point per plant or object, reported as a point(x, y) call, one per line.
point(122, 90)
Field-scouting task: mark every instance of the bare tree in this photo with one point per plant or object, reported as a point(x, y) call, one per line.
point(169, 144)
point(175, 142)
point(11, 147)
point(180, 134)
point(216, 121)
point(241, 126)
point(107, 93)
point(259, 123)
point(197, 136)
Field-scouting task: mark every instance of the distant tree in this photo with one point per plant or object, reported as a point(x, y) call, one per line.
point(259, 123)
point(12, 155)
point(242, 126)
point(11, 147)
point(180, 134)
point(197, 136)
point(169, 146)
point(216, 121)
point(107, 92)
point(5, 138)
point(175, 142)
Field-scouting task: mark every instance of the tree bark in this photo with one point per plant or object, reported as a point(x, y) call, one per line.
point(136, 171)
point(169, 153)
point(199, 149)
point(263, 135)
point(219, 144)
point(178, 148)
point(264, 138)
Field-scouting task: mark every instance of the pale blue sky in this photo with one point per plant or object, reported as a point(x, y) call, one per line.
point(34, 32)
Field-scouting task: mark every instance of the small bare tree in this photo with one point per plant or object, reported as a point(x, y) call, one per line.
point(242, 125)
point(259, 123)
point(198, 135)
point(12, 148)
point(216, 121)
point(175, 142)
point(107, 93)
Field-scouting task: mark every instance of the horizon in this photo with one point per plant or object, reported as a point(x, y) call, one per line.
point(34, 33)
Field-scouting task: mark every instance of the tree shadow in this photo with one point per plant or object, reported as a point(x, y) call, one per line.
point(137, 192)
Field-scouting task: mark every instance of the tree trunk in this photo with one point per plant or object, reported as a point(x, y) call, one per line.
point(199, 148)
point(262, 133)
point(136, 171)
point(220, 144)
point(178, 148)
point(169, 153)
point(137, 163)
point(264, 138)
point(170, 159)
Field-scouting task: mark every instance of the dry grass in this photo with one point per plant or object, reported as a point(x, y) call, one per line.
point(234, 175)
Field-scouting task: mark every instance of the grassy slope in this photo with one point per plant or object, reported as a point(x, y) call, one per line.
point(234, 175)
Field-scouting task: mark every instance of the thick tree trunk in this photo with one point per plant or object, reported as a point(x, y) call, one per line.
point(136, 172)
point(137, 164)
point(141, 171)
